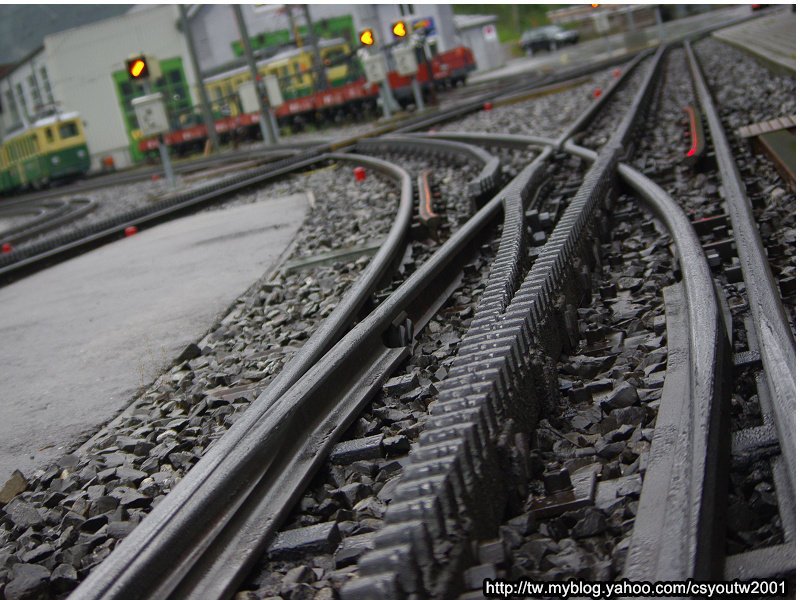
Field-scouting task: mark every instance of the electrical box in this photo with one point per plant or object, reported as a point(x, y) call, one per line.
point(374, 67)
point(151, 114)
point(249, 97)
point(273, 88)
point(601, 23)
point(406, 60)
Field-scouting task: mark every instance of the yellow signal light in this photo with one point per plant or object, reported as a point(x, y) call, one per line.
point(366, 37)
point(137, 68)
point(399, 29)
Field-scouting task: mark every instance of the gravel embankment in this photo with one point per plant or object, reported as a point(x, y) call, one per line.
point(546, 116)
point(75, 512)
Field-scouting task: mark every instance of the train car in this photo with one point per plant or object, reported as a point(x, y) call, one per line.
point(448, 68)
point(348, 93)
point(50, 149)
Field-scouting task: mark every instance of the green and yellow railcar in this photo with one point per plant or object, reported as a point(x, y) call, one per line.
point(52, 148)
point(294, 70)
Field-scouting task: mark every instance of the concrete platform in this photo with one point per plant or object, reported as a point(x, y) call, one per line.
point(79, 339)
point(772, 38)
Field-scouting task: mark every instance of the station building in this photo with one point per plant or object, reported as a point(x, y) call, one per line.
point(83, 69)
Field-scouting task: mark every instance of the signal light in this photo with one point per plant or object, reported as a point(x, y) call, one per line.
point(399, 29)
point(366, 37)
point(137, 68)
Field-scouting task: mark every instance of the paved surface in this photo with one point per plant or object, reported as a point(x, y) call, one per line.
point(773, 38)
point(80, 338)
point(615, 45)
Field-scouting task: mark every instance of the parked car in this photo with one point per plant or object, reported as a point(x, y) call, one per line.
point(550, 37)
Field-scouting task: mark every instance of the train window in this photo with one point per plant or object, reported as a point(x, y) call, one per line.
point(67, 130)
point(48, 134)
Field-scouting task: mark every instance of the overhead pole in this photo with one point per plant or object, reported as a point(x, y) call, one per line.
point(205, 106)
point(293, 33)
point(267, 134)
point(321, 78)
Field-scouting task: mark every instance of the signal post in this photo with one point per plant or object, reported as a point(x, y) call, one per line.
point(406, 60)
point(151, 113)
point(375, 69)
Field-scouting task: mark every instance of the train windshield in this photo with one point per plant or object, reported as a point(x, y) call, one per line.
point(68, 130)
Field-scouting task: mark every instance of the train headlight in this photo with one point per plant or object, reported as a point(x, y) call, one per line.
point(55, 160)
point(81, 153)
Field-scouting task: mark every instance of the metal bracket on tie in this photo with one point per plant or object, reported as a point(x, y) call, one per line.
point(400, 333)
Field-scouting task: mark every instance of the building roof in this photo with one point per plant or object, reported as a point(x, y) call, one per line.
point(470, 21)
point(22, 61)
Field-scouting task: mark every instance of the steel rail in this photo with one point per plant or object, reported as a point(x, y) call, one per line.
point(485, 182)
point(66, 211)
point(454, 481)
point(158, 555)
point(673, 537)
point(140, 174)
point(776, 342)
point(678, 531)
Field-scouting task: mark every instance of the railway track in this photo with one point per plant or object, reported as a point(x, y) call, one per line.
point(467, 469)
point(402, 314)
point(36, 217)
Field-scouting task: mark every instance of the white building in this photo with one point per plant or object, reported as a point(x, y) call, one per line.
point(87, 65)
point(479, 32)
point(25, 91)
